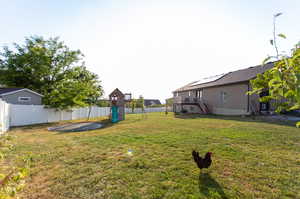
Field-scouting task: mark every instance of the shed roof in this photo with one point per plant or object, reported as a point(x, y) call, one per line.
point(8, 91)
point(242, 75)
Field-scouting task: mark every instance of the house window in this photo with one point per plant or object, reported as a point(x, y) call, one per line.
point(199, 94)
point(189, 93)
point(223, 97)
point(24, 99)
point(177, 94)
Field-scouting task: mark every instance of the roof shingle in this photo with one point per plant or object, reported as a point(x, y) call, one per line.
point(8, 90)
point(150, 102)
point(231, 77)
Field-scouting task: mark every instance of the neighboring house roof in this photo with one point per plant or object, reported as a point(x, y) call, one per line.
point(9, 91)
point(242, 75)
point(149, 102)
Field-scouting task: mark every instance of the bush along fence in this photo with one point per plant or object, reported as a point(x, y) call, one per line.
point(21, 115)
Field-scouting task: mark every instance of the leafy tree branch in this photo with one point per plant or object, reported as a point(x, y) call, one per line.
point(49, 67)
point(283, 80)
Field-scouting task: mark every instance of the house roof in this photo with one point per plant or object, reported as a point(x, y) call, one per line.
point(8, 91)
point(149, 102)
point(242, 75)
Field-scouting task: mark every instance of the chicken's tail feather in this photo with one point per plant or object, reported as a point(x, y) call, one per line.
point(197, 158)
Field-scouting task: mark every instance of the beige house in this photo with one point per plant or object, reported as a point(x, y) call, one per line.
point(224, 94)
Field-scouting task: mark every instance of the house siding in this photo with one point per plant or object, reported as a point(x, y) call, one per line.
point(254, 101)
point(13, 98)
point(236, 102)
point(227, 94)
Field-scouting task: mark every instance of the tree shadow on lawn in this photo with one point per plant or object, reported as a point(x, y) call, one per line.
point(210, 187)
point(256, 119)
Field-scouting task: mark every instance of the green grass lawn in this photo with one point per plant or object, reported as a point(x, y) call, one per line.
point(251, 159)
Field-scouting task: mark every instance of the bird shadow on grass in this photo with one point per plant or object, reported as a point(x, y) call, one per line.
point(210, 187)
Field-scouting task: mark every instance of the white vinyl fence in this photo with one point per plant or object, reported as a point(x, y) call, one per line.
point(21, 115)
point(147, 110)
point(4, 116)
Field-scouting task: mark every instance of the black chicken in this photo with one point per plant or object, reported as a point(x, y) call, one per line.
point(202, 162)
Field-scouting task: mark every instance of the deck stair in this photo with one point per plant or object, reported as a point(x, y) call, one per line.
point(196, 102)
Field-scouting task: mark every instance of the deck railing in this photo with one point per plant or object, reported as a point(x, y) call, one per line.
point(183, 99)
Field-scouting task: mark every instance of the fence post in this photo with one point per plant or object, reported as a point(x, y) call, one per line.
point(4, 117)
point(1, 117)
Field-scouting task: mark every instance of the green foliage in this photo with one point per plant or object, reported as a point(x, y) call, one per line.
point(79, 89)
point(49, 67)
point(133, 105)
point(298, 125)
point(140, 103)
point(11, 178)
point(170, 102)
point(281, 35)
point(103, 103)
point(282, 81)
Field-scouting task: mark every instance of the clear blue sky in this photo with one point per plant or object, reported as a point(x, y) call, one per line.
point(152, 47)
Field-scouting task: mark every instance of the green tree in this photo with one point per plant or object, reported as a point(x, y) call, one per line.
point(103, 103)
point(133, 105)
point(79, 89)
point(169, 102)
point(141, 103)
point(283, 80)
point(49, 67)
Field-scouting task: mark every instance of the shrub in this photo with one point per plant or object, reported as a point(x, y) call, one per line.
point(184, 111)
point(12, 179)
